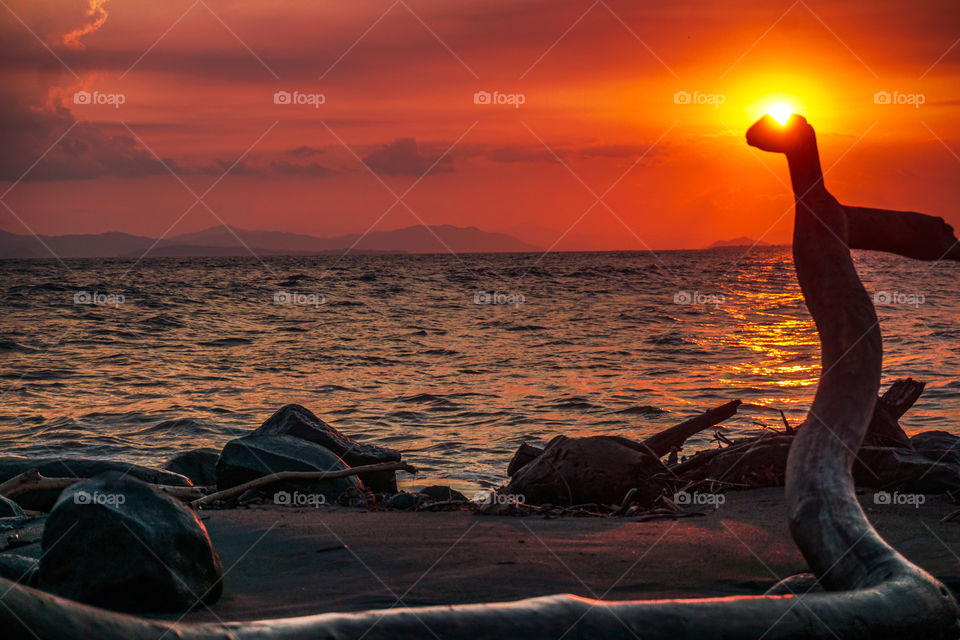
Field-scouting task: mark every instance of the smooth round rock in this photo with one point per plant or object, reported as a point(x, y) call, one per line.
point(119, 543)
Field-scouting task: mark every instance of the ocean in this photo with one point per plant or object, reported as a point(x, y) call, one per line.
point(454, 360)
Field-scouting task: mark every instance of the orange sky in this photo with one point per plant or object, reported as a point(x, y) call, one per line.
point(599, 116)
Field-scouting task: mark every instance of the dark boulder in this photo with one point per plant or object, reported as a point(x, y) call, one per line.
point(9, 508)
point(62, 467)
point(939, 446)
point(442, 493)
point(299, 422)
point(200, 465)
point(19, 569)
point(596, 469)
point(119, 543)
point(525, 454)
point(895, 469)
point(252, 457)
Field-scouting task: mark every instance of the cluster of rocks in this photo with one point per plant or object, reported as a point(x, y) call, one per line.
point(116, 539)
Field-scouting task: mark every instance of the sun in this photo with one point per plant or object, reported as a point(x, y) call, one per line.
point(780, 111)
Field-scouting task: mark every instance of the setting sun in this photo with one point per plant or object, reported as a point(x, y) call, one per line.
point(780, 112)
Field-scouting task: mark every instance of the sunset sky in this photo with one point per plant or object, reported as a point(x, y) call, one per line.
point(600, 117)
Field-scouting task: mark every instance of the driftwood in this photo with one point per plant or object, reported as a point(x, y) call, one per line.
point(667, 441)
point(16, 532)
point(661, 443)
point(905, 233)
point(871, 590)
point(264, 481)
point(32, 481)
point(884, 429)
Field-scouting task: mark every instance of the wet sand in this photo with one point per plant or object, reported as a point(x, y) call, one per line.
point(278, 560)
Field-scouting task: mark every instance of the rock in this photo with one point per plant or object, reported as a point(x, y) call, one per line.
point(252, 457)
point(200, 465)
point(441, 493)
point(297, 421)
point(19, 569)
point(525, 454)
point(9, 508)
point(402, 501)
point(11, 466)
point(596, 469)
point(939, 446)
point(895, 469)
point(119, 543)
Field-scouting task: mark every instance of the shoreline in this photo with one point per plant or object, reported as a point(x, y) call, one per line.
point(281, 561)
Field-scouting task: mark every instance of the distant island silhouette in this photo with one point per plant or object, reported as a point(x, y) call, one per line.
point(742, 241)
point(232, 241)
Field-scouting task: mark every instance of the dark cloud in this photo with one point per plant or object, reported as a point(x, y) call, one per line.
point(617, 151)
point(402, 157)
point(305, 152)
point(312, 170)
point(539, 153)
point(85, 151)
point(521, 154)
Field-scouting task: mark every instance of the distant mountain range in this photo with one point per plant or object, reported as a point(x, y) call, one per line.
point(231, 241)
point(742, 241)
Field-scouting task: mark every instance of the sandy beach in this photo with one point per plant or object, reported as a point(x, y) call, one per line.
point(278, 561)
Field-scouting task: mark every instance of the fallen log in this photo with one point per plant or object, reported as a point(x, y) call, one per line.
point(265, 481)
point(661, 443)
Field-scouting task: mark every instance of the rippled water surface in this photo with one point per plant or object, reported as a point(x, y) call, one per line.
point(395, 349)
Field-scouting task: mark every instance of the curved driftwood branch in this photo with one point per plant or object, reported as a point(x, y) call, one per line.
point(265, 481)
point(914, 235)
point(873, 592)
point(31, 480)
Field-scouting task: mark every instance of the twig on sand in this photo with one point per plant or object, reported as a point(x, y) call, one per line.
point(31, 480)
point(300, 475)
